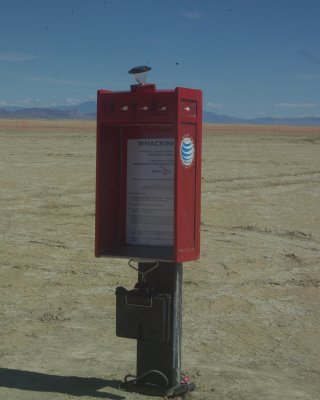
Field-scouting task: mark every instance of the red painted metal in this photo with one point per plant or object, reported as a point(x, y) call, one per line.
point(145, 112)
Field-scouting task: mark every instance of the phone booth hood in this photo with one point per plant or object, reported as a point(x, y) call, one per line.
point(148, 174)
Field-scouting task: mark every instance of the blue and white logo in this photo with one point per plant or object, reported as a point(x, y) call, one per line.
point(187, 151)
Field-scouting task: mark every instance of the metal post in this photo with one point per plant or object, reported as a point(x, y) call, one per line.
point(159, 363)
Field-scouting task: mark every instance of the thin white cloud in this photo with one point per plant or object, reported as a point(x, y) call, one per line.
point(214, 106)
point(21, 103)
point(192, 14)
point(73, 101)
point(15, 56)
point(312, 57)
point(304, 77)
point(46, 103)
point(296, 105)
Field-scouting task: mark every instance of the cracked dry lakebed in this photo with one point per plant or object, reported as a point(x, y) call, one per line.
point(251, 307)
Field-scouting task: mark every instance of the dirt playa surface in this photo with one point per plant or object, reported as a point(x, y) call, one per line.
point(251, 328)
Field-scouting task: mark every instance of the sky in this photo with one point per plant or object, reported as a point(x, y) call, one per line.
point(251, 58)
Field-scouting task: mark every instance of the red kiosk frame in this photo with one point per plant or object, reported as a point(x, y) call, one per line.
point(146, 113)
point(148, 193)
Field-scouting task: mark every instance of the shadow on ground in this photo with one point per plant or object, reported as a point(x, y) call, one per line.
point(71, 385)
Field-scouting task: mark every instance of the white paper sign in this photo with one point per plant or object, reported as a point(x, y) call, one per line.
point(150, 192)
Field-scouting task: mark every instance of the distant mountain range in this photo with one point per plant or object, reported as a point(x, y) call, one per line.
point(211, 117)
point(87, 110)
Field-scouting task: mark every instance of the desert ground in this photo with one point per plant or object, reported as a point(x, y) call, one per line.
point(251, 316)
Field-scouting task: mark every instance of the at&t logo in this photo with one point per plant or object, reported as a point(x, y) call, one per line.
point(187, 151)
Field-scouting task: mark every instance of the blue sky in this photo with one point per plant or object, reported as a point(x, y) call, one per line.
point(251, 58)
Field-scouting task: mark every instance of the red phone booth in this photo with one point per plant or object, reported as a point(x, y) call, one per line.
point(148, 209)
